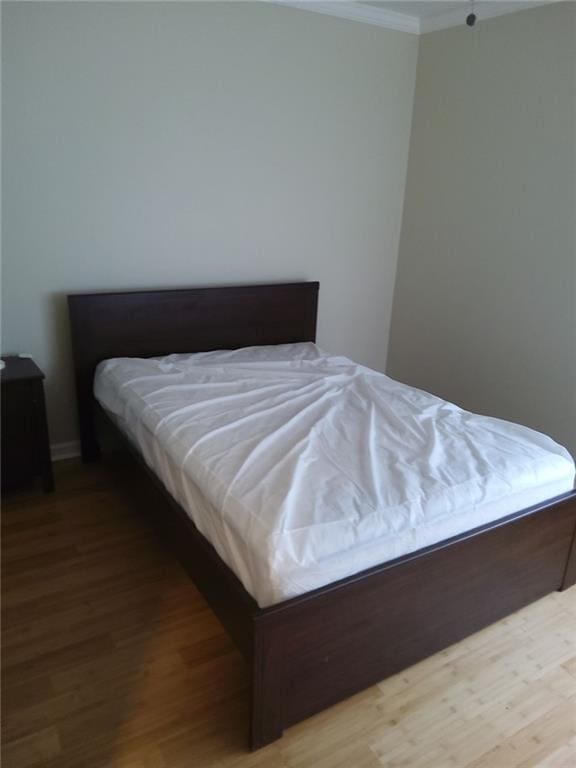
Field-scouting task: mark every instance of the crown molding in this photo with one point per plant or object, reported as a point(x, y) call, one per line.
point(366, 14)
point(457, 18)
point(402, 22)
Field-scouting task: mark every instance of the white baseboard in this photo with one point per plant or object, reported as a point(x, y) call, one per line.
point(61, 451)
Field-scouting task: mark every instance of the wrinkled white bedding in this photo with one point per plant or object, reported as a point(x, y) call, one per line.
point(302, 468)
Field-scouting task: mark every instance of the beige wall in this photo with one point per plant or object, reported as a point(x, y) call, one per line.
point(163, 144)
point(484, 307)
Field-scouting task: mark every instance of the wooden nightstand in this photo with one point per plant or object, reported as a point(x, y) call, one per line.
point(25, 443)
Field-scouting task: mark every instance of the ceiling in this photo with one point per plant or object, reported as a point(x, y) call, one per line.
point(416, 16)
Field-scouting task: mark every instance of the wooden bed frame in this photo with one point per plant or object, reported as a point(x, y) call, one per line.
point(309, 652)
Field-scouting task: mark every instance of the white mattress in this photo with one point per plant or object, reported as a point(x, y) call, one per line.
point(302, 468)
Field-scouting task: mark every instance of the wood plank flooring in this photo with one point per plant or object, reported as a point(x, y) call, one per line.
point(111, 658)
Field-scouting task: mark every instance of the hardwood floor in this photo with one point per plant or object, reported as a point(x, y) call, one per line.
point(111, 658)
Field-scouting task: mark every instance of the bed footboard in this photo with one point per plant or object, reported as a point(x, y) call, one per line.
point(314, 651)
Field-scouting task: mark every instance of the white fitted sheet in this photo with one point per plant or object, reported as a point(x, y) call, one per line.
point(303, 468)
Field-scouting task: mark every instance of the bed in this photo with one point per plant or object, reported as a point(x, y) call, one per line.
point(311, 635)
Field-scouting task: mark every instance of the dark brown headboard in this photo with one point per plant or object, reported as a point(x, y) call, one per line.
point(149, 323)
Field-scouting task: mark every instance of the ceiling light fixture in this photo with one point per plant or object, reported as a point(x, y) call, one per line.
point(471, 18)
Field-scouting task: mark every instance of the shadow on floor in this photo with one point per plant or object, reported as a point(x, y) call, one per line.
point(110, 655)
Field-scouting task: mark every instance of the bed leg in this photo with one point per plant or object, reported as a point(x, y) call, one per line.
point(266, 716)
point(569, 578)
